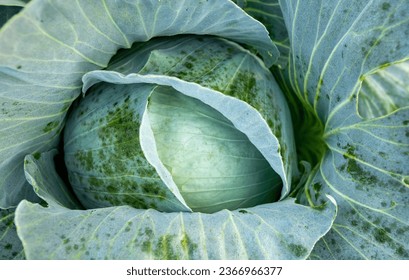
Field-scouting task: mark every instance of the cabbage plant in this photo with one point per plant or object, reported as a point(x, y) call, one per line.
point(204, 129)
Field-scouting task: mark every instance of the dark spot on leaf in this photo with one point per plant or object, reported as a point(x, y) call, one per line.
point(402, 252)
point(50, 126)
point(297, 249)
point(381, 235)
point(386, 6)
point(366, 226)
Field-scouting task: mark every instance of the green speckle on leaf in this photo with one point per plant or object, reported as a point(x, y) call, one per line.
point(86, 159)
point(386, 6)
point(188, 246)
point(298, 250)
point(50, 126)
point(148, 232)
point(366, 226)
point(146, 246)
point(402, 252)
point(355, 169)
point(164, 248)
point(37, 155)
point(381, 235)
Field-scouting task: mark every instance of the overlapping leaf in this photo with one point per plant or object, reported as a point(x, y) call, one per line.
point(269, 13)
point(335, 46)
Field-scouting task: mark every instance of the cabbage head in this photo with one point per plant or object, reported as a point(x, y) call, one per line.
point(204, 129)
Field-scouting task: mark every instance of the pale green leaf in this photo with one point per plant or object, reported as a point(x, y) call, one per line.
point(269, 231)
point(337, 45)
point(14, 3)
point(365, 171)
point(214, 165)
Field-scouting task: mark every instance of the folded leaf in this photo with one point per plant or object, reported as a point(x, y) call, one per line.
point(384, 91)
point(41, 173)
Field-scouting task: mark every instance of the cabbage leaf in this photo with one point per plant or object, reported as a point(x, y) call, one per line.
point(340, 57)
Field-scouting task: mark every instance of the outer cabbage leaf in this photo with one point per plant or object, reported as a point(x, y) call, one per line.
point(269, 13)
point(10, 244)
point(335, 46)
point(67, 39)
point(282, 230)
point(15, 3)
